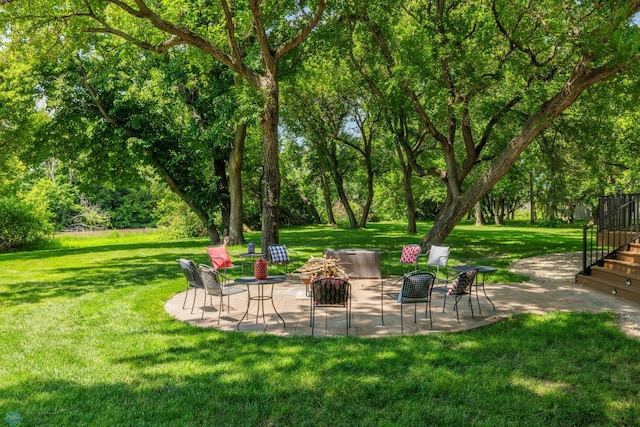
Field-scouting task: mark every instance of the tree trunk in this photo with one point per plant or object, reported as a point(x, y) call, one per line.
point(214, 236)
point(236, 236)
point(532, 201)
point(305, 200)
point(353, 223)
point(326, 192)
point(271, 192)
point(447, 218)
point(459, 203)
point(212, 231)
point(409, 200)
point(367, 206)
point(499, 212)
point(222, 186)
point(330, 160)
point(407, 173)
point(479, 217)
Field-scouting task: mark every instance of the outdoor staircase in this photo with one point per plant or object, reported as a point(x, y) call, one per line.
point(619, 275)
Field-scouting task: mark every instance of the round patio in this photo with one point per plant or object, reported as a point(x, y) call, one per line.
point(551, 288)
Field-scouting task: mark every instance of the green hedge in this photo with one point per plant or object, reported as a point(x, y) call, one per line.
point(21, 224)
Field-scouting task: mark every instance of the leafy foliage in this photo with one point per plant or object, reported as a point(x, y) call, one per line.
point(175, 219)
point(21, 224)
point(444, 90)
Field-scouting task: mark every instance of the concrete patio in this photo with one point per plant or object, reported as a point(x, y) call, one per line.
point(551, 289)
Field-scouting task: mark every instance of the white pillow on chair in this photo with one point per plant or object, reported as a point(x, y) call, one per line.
point(438, 256)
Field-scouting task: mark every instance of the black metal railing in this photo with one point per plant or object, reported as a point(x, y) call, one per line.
point(618, 225)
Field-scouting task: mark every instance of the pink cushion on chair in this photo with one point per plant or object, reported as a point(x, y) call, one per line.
point(409, 254)
point(463, 283)
point(219, 257)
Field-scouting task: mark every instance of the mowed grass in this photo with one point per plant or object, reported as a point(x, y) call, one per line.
point(86, 341)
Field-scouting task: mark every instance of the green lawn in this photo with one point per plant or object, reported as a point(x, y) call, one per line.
point(86, 341)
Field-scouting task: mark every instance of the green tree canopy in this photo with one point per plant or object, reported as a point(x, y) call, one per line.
point(486, 78)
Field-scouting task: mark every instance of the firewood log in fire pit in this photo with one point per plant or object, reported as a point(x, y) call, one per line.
point(321, 268)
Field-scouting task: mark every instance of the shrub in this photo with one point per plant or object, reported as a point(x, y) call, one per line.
point(91, 217)
point(21, 224)
point(176, 220)
point(59, 199)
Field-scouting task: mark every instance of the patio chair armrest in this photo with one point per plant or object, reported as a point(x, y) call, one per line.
point(424, 255)
point(389, 254)
point(293, 257)
point(224, 277)
point(395, 282)
point(226, 281)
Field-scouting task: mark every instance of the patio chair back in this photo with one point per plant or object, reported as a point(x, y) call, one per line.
point(461, 285)
point(216, 284)
point(279, 254)
point(408, 259)
point(416, 287)
point(438, 257)
point(326, 292)
point(194, 280)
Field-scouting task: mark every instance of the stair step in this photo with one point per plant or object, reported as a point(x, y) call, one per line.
point(634, 247)
point(628, 256)
point(626, 267)
point(617, 278)
point(603, 285)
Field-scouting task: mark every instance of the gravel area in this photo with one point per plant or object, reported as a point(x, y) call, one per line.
point(549, 269)
point(559, 270)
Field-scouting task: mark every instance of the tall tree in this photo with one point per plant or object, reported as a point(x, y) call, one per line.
point(317, 112)
point(325, 106)
point(406, 136)
point(473, 68)
point(18, 113)
point(250, 39)
point(176, 119)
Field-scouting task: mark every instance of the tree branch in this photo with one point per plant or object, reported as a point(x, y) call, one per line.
point(231, 31)
point(185, 35)
point(160, 48)
point(494, 120)
point(424, 117)
point(386, 53)
point(514, 44)
point(303, 33)
point(97, 102)
point(582, 78)
point(258, 21)
point(152, 155)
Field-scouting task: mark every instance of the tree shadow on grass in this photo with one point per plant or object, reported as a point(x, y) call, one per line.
point(55, 253)
point(529, 370)
point(101, 274)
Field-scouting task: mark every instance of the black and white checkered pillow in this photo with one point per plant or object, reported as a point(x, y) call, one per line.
point(279, 254)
